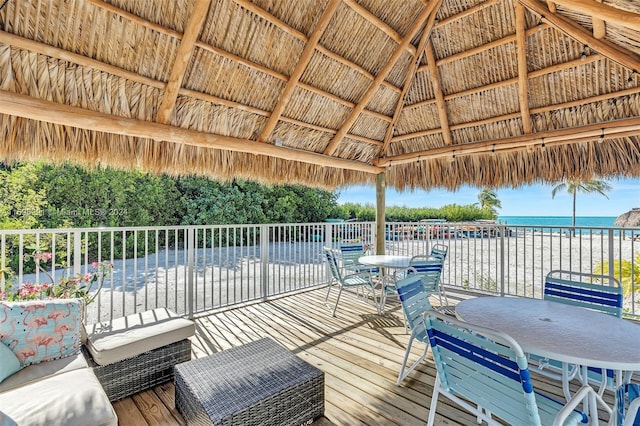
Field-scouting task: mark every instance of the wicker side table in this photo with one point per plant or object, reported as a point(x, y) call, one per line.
point(260, 383)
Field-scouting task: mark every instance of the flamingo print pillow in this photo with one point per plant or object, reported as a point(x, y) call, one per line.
point(41, 330)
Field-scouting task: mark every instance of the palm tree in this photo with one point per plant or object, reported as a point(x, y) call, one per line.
point(573, 186)
point(488, 200)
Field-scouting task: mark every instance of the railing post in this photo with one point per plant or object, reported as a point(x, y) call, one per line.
point(264, 260)
point(190, 243)
point(77, 253)
point(611, 244)
point(502, 231)
point(328, 235)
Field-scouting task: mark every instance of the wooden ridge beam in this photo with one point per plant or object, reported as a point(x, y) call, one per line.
point(398, 52)
point(411, 72)
point(294, 78)
point(557, 137)
point(28, 107)
point(74, 58)
point(187, 44)
point(603, 12)
point(580, 34)
point(523, 79)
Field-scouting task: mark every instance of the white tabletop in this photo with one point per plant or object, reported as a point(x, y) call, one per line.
point(562, 332)
point(386, 261)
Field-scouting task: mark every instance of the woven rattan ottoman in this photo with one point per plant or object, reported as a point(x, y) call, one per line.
point(259, 383)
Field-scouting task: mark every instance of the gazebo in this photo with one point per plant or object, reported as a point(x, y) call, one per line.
point(410, 94)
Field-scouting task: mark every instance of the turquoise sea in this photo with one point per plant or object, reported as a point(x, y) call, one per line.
point(595, 221)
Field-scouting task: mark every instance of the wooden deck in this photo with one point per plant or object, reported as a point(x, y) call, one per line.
point(359, 351)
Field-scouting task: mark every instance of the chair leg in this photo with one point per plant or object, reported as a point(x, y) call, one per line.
point(337, 300)
point(434, 401)
point(326, 299)
point(404, 372)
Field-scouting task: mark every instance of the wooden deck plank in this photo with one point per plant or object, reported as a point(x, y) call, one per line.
point(359, 351)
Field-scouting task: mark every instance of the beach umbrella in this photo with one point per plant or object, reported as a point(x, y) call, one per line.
point(630, 218)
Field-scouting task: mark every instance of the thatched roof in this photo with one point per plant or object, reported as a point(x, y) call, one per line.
point(630, 218)
point(326, 92)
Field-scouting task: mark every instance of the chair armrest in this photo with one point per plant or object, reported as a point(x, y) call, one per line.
point(583, 392)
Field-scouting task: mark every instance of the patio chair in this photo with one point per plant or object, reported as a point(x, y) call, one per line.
point(429, 268)
point(627, 405)
point(415, 302)
point(439, 250)
point(588, 291)
point(486, 372)
point(354, 280)
point(351, 253)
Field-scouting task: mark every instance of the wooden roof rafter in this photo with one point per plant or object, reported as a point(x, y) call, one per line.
point(295, 76)
point(74, 58)
point(441, 105)
point(596, 9)
point(580, 34)
point(163, 30)
point(302, 37)
point(373, 87)
point(523, 79)
point(424, 39)
point(187, 45)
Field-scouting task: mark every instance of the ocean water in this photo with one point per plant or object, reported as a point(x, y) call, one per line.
point(595, 221)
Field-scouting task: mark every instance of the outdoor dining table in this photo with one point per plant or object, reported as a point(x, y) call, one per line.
point(385, 261)
point(562, 332)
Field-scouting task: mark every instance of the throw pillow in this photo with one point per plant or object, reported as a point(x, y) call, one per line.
point(9, 363)
point(41, 330)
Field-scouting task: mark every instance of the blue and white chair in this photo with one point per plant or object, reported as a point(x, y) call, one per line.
point(601, 293)
point(351, 253)
point(355, 280)
point(415, 302)
point(486, 372)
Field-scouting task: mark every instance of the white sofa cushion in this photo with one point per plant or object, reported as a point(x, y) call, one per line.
point(43, 370)
point(74, 398)
point(130, 336)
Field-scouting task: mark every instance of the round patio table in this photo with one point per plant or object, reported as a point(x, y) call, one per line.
point(386, 261)
point(562, 332)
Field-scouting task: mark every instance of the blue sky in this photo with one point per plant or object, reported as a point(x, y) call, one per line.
point(534, 200)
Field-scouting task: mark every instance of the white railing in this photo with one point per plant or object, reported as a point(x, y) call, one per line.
point(193, 269)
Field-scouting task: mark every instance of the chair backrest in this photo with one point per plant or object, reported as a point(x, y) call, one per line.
point(429, 268)
point(485, 366)
point(597, 292)
point(332, 262)
point(439, 250)
point(414, 299)
point(351, 254)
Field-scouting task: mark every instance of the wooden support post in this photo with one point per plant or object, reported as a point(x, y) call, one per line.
point(381, 185)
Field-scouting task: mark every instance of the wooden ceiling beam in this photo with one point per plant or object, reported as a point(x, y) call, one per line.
point(371, 91)
point(523, 78)
point(511, 116)
point(604, 12)
point(562, 136)
point(379, 23)
point(251, 64)
point(583, 36)
point(73, 58)
point(302, 37)
point(441, 105)
point(187, 44)
point(294, 78)
point(28, 107)
point(465, 13)
point(411, 72)
point(599, 26)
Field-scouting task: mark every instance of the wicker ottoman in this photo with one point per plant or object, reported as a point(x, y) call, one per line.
point(260, 383)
